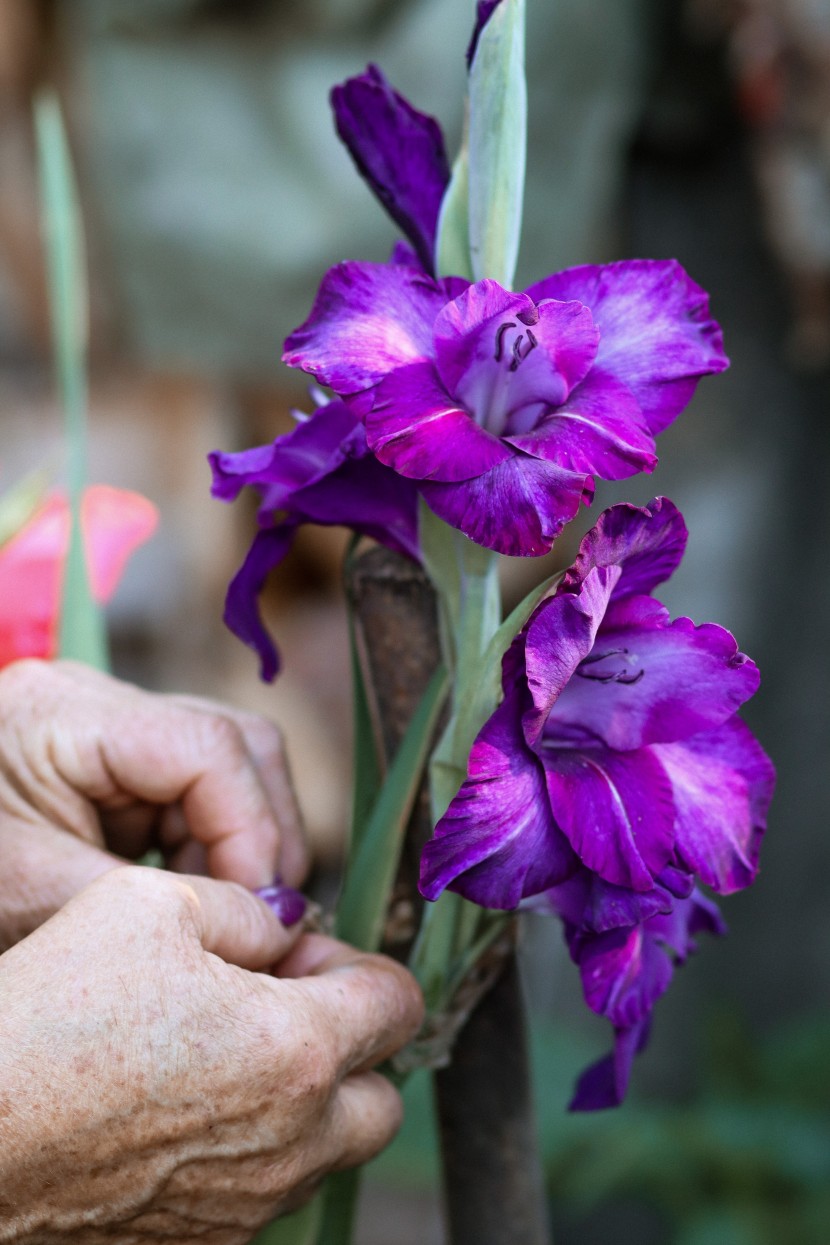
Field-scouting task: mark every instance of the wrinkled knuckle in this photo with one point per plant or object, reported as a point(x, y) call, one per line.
point(220, 736)
point(147, 885)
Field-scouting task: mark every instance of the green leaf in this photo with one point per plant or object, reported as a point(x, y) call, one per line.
point(81, 633)
point(361, 910)
point(367, 774)
point(453, 243)
point(498, 143)
point(19, 504)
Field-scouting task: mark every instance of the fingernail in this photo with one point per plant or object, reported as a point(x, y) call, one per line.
point(286, 903)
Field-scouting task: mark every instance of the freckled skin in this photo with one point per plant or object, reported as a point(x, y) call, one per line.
point(185, 1097)
point(160, 1079)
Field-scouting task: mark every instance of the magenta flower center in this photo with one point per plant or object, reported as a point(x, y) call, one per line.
point(501, 390)
point(615, 665)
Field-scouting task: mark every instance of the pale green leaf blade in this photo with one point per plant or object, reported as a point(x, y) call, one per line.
point(81, 632)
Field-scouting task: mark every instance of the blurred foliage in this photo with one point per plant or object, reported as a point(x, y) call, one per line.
point(746, 1162)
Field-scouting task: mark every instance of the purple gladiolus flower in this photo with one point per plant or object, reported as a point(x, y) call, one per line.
point(320, 472)
point(503, 406)
point(614, 771)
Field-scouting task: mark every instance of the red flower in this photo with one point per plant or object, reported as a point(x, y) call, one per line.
point(114, 521)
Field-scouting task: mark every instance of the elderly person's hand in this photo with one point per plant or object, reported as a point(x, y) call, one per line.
point(93, 770)
point(154, 1085)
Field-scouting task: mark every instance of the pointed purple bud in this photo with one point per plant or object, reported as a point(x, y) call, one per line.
point(484, 12)
point(398, 151)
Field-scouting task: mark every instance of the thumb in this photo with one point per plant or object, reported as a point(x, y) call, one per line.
point(232, 923)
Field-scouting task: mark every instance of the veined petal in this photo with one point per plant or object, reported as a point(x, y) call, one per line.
point(398, 151)
point(418, 430)
point(366, 320)
point(646, 542)
point(497, 842)
point(656, 333)
point(559, 635)
point(586, 901)
point(653, 684)
point(722, 782)
point(624, 973)
point(242, 614)
point(615, 808)
point(504, 358)
point(599, 428)
point(517, 508)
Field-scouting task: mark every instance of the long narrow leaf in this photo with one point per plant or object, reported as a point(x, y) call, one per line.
point(366, 770)
point(81, 632)
point(371, 871)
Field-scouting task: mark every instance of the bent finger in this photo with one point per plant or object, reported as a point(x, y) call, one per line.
point(368, 1005)
point(266, 747)
point(167, 753)
point(366, 1113)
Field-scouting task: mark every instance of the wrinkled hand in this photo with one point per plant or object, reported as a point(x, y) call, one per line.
point(92, 769)
point(151, 1090)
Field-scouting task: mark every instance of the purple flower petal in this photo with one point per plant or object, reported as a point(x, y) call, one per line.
point(653, 684)
point(416, 428)
point(599, 429)
point(656, 334)
point(506, 360)
point(398, 151)
point(369, 498)
point(366, 320)
point(497, 841)
point(315, 448)
point(585, 900)
point(518, 508)
point(558, 636)
point(605, 1083)
point(624, 973)
point(242, 614)
point(320, 472)
point(615, 808)
point(647, 542)
point(722, 783)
